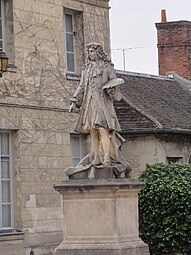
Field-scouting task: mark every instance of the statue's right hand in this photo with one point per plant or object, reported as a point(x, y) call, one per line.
point(72, 107)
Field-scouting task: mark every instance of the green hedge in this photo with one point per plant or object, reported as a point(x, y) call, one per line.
point(165, 209)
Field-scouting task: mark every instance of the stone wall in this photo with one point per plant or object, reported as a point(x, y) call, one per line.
point(39, 46)
point(34, 107)
point(41, 152)
point(152, 149)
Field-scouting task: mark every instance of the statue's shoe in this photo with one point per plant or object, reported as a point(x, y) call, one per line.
point(107, 161)
point(97, 160)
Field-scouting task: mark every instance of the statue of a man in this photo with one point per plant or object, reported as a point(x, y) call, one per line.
point(95, 96)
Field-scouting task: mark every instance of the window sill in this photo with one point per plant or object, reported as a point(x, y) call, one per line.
point(12, 235)
point(73, 77)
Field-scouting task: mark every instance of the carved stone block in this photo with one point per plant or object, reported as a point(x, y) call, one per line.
point(100, 217)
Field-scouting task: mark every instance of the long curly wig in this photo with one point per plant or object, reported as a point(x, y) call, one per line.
point(102, 55)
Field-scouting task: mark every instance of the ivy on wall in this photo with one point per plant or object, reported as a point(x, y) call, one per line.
point(165, 209)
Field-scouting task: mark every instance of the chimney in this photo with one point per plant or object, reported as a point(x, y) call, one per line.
point(163, 16)
point(174, 46)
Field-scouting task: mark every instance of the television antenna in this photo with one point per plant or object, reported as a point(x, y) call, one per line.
point(124, 55)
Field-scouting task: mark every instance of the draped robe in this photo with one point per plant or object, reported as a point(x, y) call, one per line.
point(97, 110)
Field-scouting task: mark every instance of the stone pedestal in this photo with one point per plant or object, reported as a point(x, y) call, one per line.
point(100, 218)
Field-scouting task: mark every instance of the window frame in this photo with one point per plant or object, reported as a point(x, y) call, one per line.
point(174, 159)
point(2, 20)
point(72, 151)
point(8, 228)
point(71, 13)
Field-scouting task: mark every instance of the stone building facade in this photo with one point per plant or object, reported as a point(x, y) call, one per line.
point(45, 42)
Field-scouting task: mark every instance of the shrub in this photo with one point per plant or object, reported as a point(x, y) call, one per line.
point(165, 209)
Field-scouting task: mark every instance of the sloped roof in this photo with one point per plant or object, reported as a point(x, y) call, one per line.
point(130, 119)
point(162, 102)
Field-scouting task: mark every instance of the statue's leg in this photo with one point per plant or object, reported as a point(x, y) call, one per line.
point(95, 143)
point(105, 140)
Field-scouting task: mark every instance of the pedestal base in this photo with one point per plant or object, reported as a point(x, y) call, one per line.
point(135, 248)
point(101, 218)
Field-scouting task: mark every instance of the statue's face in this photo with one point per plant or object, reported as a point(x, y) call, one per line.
point(92, 54)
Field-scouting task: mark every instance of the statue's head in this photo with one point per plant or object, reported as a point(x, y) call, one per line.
point(96, 48)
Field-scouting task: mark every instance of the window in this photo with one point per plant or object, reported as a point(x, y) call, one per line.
point(2, 22)
point(171, 160)
point(76, 149)
point(6, 198)
point(79, 146)
point(6, 29)
point(74, 41)
point(69, 44)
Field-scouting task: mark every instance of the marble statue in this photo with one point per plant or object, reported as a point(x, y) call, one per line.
point(95, 95)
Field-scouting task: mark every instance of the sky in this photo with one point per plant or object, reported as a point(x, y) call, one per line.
point(132, 27)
